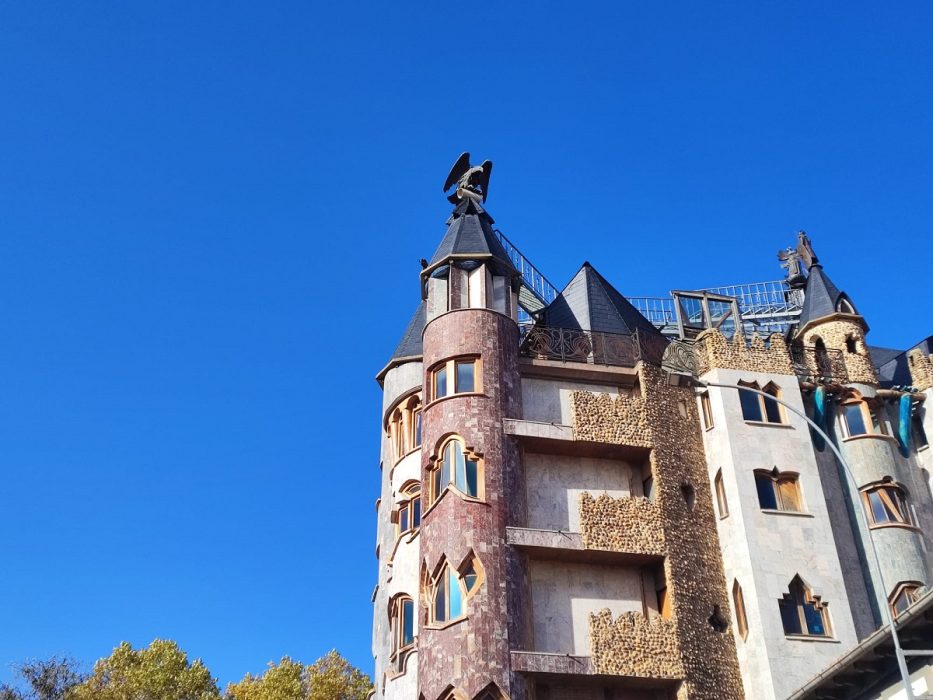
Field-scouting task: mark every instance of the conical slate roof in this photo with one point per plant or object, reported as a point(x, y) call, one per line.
point(469, 232)
point(410, 344)
point(821, 298)
point(589, 302)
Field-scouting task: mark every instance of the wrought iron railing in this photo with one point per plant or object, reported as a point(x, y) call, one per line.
point(592, 347)
point(819, 364)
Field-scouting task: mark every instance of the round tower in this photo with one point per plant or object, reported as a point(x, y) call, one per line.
point(469, 468)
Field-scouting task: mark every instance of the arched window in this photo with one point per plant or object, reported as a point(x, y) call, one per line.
point(738, 602)
point(451, 588)
point(904, 595)
point(760, 409)
point(778, 490)
point(455, 467)
point(802, 613)
point(402, 626)
point(886, 504)
point(404, 426)
point(863, 417)
point(409, 509)
point(720, 489)
point(843, 305)
point(824, 366)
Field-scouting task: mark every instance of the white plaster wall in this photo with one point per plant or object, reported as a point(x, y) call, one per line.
point(554, 484)
point(405, 686)
point(548, 400)
point(925, 456)
point(563, 594)
point(406, 469)
point(765, 550)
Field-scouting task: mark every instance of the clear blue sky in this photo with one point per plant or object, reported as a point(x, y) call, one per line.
point(211, 216)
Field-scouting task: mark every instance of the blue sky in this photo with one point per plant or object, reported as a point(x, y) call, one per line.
point(211, 216)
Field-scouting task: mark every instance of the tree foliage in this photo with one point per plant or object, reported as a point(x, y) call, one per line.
point(159, 672)
point(331, 677)
point(50, 679)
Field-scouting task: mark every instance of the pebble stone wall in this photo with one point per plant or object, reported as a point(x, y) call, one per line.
point(834, 334)
point(921, 369)
point(650, 645)
point(714, 350)
point(621, 524)
point(668, 423)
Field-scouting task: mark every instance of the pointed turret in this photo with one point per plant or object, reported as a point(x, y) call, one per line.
point(822, 299)
point(409, 347)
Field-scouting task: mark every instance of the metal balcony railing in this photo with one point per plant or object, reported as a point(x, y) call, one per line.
point(590, 347)
point(819, 364)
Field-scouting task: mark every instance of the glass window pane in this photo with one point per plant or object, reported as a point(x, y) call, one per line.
point(901, 603)
point(772, 410)
point(879, 513)
point(403, 519)
point(440, 382)
point(460, 470)
point(456, 595)
point(440, 603)
point(876, 425)
point(751, 406)
point(408, 622)
point(855, 419)
point(814, 619)
point(465, 376)
point(416, 512)
point(469, 577)
point(471, 478)
point(765, 486)
point(418, 429)
point(447, 469)
point(790, 617)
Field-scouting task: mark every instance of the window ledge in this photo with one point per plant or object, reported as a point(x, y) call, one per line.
point(768, 424)
point(811, 638)
point(445, 625)
point(454, 396)
point(870, 436)
point(923, 447)
point(407, 454)
point(797, 513)
point(888, 526)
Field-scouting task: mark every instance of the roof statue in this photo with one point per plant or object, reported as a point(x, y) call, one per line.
point(790, 260)
point(805, 250)
point(472, 181)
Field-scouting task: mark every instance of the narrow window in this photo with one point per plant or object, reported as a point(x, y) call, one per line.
point(855, 419)
point(751, 404)
point(409, 510)
point(904, 595)
point(402, 623)
point(707, 410)
point(766, 497)
point(850, 345)
point(772, 408)
point(464, 376)
point(418, 429)
point(721, 502)
point(738, 602)
point(886, 504)
point(440, 382)
point(801, 612)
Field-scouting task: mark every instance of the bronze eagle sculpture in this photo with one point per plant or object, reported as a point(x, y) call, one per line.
point(471, 181)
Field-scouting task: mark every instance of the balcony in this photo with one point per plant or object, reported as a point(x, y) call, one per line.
point(626, 525)
point(635, 645)
point(590, 347)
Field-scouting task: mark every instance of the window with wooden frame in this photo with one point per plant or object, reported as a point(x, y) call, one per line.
point(721, 503)
point(706, 410)
point(738, 603)
point(862, 417)
point(451, 588)
point(802, 613)
point(886, 504)
point(904, 595)
point(455, 467)
point(778, 490)
point(402, 626)
point(459, 375)
point(408, 516)
point(403, 426)
point(760, 409)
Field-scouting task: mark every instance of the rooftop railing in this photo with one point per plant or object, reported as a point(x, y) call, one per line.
point(819, 364)
point(591, 347)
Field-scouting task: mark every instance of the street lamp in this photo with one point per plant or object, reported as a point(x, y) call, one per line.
point(889, 619)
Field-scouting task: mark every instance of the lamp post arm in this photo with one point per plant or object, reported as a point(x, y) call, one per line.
point(889, 619)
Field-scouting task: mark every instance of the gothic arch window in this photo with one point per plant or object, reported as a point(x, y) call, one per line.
point(802, 613)
point(760, 409)
point(450, 588)
point(490, 692)
point(455, 467)
point(738, 603)
point(824, 365)
point(903, 596)
point(778, 490)
point(402, 626)
point(721, 503)
point(887, 504)
point(403, 426)
point(408, 515)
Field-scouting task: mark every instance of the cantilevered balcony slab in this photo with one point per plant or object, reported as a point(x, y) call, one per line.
point(556, 438)
point(568, 546)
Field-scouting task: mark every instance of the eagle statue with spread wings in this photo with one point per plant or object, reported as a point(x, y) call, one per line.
point(471, 181)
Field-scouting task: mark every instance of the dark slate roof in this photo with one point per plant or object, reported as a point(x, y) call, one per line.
point(410, 345)
point(589, 302)
point(892, 366)
point(821, 297)
point(469, 232)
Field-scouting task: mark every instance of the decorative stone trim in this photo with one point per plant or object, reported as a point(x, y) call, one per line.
point(921, 369)
point(621, 524)
point(633, 645)
point(601, 418)
point(715, 351)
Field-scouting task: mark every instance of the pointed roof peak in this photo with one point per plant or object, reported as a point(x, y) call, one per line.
point(470, 233)
point(410, 346)
point(822, 298)
point(589, 302)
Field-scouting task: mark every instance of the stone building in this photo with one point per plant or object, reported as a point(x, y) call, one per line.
point(573, 506)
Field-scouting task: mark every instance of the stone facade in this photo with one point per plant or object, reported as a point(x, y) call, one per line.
point(921, 369)
point(715, 351)
point(835, 331)
point(621, 524)
point(603, 418)
point(635, 645)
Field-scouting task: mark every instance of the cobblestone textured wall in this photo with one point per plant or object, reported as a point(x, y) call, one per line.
point(921, 369)
point(715, 351)
point(602, 418)
point(621, 524)
point(834, 334)
point(634, 645)
point(696, 583)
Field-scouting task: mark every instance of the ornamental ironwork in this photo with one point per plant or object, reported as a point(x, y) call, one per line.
point(680, 358)
point(592, 347)
point(820, 365)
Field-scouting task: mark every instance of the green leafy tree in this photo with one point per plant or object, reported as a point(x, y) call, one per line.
point(159, 672)
point(331, 677)
point(50, 679)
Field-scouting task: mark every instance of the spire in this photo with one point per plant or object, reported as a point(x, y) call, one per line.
point(590, 303)
point(409, 347)
point(822, 298)
point(470, 235)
